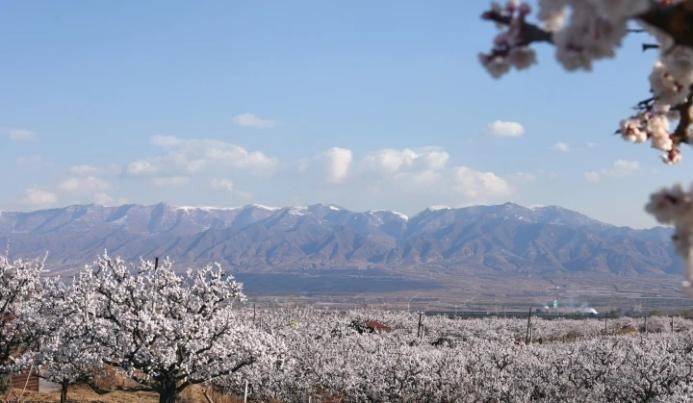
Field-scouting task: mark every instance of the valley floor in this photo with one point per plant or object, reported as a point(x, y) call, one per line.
point(493, 293)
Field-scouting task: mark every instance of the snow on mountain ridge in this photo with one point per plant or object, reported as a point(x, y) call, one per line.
point(256, 237)
point(205, 208)
point(117, 214)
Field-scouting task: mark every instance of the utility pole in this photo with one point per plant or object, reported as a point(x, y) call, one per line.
point(418, 328)
point(645, 322)
point(529, 325)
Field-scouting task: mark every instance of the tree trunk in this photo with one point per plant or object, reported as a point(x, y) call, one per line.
point(63, 391)
point(168, 396)
point(168, 393)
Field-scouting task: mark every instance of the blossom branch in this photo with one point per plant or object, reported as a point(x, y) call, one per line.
point(676, 20)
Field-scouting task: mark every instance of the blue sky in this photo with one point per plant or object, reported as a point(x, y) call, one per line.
point(364, 105)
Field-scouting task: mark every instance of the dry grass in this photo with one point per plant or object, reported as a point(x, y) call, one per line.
point(83, 393)
point(110, 379)
point(196, 393)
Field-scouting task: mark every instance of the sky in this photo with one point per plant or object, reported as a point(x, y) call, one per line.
point(366, 105)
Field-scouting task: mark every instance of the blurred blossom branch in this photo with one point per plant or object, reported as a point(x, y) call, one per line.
point(583, 31)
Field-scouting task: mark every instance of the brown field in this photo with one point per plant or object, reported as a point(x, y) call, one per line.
point(82, 393)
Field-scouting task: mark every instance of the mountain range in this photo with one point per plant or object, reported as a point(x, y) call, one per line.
point(506, 238)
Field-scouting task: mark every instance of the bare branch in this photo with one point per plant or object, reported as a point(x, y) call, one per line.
point(676, 20)
point(530, 33)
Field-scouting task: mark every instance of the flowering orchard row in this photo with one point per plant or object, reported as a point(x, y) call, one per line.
point(167, 331)
point(367, 356)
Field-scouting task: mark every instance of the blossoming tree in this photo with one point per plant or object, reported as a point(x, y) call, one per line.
point(583, 31)
point(21, 290)
point(164, 330)
point(67, 353)
point(480, 360)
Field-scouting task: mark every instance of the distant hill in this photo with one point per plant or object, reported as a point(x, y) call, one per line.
point(506, 238)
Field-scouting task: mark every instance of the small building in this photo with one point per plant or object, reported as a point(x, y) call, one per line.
point(30, 381)
point(27, 380)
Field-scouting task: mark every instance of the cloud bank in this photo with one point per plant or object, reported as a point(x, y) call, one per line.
point(186, 170)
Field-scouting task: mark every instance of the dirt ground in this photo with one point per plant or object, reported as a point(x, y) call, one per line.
point(82, 393)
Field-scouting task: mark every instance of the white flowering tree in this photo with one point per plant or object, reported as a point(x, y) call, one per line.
point(68, 353)
point(583, 31)
point(328, 360)
point(21, 290)
point(164, 330)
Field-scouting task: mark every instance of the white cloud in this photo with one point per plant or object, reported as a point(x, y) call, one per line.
point(476, 185)
point(183, 157)
point(141, 167)
point(392, 161)
point(170, 181)
point(83, 184)
point(402, 176)
point(21, 135)
point(221, 184)
point(337, 164)
point(426, 178)
point(251, 120)
point(619, 169)
point(105, 199)
point(38, 197)
point(561, 146)
point(500, 128)
point(409, 169)
point(392, 178)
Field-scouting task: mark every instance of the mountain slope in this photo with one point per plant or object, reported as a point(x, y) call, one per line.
point(505, 238)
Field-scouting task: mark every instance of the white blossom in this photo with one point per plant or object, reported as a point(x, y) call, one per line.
point(594, 30)
point(21, 291)
point(522, 57)
point(168, 331)
point(552, 13)
point(496, 66)
point(658, 128)
point(468, 360)
point(587, 37)
point(631, 130)
point(665, 88)
point(674, 206)
point(584, 31)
